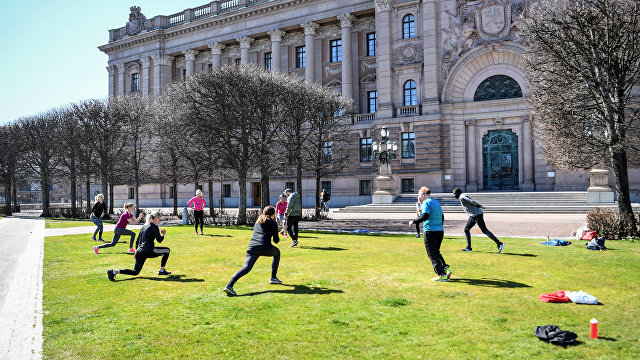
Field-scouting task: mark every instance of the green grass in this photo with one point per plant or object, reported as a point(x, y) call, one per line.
point(345, 296)
point(60, 223)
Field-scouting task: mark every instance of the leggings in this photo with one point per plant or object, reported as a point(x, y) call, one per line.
point(198, 217)
point(432, 242)
point(251, 259)
point(480, 221)
point(142, 257)
point(116, 236)
point(98, 223)
point(292, 227)
point(418, 228)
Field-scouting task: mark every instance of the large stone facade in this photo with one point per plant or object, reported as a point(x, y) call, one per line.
point(447, 73)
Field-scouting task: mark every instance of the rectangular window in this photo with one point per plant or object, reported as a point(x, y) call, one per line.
point(210, 67)
point(171, 192)
point(236, 61)
point(184, 74)
point(132, 193)
point(372, 101)
point(408, 145)
point(407, 186)
point(365, 150)
point(290, 185)
point(326, 185)
point(135, 78)
point(371, 44)
point(267, 60)
point(199, 187)
point(226, 190)
point(300, 57)
point(365, 187)
point(335, 47)
point(327, 152)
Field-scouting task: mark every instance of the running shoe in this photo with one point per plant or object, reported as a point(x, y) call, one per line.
point(164, 272)
point(500, 247)
point(95, 249)
point(466, 250)
point(132, 250)
point(275, 281)
point(201, 233)
point(294, 244)
point(101, 240)
point(94, 238)
point(440, 278)
point(418, 235)
point(111, 275)
point(229, 290)
point(448, 272)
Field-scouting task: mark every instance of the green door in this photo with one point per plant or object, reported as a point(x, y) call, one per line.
point(500, 160)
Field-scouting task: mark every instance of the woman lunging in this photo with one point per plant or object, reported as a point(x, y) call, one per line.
point(197, 204)
point(121, 228)
point(96, 216)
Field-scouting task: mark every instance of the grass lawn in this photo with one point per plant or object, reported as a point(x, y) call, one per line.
point(59, 223)
point(345, 296)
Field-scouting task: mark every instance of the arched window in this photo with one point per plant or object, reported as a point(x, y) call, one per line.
point(497, 87)
point(408, 27)
point(410, 94)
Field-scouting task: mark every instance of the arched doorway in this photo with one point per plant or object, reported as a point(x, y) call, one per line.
point(500, 160)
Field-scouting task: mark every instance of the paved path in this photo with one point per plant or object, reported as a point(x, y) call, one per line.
point(21, 253)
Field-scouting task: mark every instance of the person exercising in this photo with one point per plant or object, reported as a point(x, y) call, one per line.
point(474, 210)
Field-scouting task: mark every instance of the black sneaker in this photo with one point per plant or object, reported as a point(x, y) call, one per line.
point(275, 281)
point(294, 244)
point(500, 247)
point(111, 275)
point(229, 290)
point(466, 250)
point(164, 272)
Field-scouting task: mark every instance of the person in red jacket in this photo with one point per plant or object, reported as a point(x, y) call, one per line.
point(198, 204)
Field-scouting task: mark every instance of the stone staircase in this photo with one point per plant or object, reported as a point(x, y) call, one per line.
point(510, 202)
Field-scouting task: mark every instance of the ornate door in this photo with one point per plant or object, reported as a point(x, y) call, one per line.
point(500, 160)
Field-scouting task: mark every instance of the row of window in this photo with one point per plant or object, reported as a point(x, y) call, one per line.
point(335, 52)
point(407, 147)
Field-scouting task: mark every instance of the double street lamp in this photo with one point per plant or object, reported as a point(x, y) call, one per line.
point(385, 151)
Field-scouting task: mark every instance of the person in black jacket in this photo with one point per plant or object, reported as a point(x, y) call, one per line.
point(96, 216)
point(146, 249)
point(264, 230)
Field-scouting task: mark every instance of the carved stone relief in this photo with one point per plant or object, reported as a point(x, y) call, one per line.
point(329, 31)
point(137, 22)
point(365, 24)
point(293, 38)
point(408, 53)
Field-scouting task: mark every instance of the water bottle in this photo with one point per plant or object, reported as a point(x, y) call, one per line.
point(594, 328)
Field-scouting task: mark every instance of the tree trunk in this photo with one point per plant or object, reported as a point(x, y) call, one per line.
point(7, 196)
point(242, 206)
point(137, 181)
point(105, 189)
point(45, 181)
point(15, 190)
point(264, 189)
point(111, 197)
point(317, 195)
point(620, 171)
point(74, 188)
point(175, 195)
point(210, 195)
point(88, 190)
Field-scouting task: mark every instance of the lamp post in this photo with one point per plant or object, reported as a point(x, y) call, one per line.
point(385, 151)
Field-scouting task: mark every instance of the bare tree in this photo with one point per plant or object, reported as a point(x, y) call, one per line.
point(68, 135)
point(10, 149)
point(584, 62)
point(86, 161)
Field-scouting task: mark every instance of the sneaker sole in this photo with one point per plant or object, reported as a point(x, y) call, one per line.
point(229, 292)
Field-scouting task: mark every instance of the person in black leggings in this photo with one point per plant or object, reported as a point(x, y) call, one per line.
point(146, 249)
point(474, 210)
point(264, 230)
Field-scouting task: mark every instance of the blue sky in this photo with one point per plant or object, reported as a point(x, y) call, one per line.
point(49, 50)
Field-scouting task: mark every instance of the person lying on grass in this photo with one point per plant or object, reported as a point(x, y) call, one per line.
point(145, 248)
point(260, 245)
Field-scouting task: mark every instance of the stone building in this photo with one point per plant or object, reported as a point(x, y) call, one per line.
point(445, 76)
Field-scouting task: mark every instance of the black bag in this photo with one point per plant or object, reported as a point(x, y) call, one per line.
point(553, 334)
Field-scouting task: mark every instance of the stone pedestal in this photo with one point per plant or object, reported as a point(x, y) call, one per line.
point(599, 190)
point(385, 191)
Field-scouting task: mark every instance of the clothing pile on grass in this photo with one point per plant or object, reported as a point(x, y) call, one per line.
point(556, 242)
point(577, 297)
point(554, 335)
point(593, 241)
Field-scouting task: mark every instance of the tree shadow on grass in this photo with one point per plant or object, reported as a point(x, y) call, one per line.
point(297, 290)
point(494, 283)
point(179, 278)
point(326, 248)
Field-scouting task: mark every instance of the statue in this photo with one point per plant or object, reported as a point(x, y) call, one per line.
point(137, 22)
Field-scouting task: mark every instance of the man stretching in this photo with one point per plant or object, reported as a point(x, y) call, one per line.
point(475, 217)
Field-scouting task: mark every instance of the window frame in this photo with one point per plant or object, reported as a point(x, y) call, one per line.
point(367, 191)
point(327, 152)
point(335, 50)
point(375, 101)
point(404, 145)
point(300, 57)
point(268, 60)
point(290, 185)
point(406, 181)
point(135, 82)
point(409, 26)
point(226, 190)
point(371, 44)
point(366, 149)
point(132, 193)
point(411, 87)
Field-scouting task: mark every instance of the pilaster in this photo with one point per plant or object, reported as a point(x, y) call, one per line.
point(472, 175)
point(112, 80)
point(145, 61)
point(346, 22)
point(121, 82)
point(527, 155)
point(383, 58)
point(161, 72)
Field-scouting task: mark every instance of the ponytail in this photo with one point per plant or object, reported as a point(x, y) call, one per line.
point(266, 213)
point(128, 205)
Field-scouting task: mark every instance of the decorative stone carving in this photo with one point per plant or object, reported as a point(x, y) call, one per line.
point(480, 22)
point(329, 70)
point(190, 54)
point(366, 65)
point(145, 61)
point(310, 28)
point(276, 35)
point(216, 48)
point(162, 59)
point(470, 122)
point(120, 68)
point(346, 20)
point(203, 57)
point(245, 42)
point(232, 51)
point(261, 45)
point(383, 5)
point(408, 53)
point(498, 121)
point(365, 24)
point(329, 31)
point(137, 22)
point(111, 70)
point(181, 63)
point(293, 38)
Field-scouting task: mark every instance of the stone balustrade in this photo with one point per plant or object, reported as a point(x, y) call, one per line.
point(411, 110)
point(363, 118)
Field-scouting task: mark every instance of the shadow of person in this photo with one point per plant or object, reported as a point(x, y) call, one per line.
point(297, 290)
point(494, 283)
point(179, 278)
point(326, 248)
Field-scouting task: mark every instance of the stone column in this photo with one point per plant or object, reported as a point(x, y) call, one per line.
point(112, 81)
point(216, 54)
point(309, 48)
point(527, 155)
point(121, 82)
point(276, 39)
point(161, 72)
point(346, 21)
point(146, 82)
point(190, 60)
point(245, 44)
point(383, 58)
point(472, 174)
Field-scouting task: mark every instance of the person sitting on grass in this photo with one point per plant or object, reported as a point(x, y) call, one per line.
point(146, 249)
point(121, 228)
point(264, 230)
